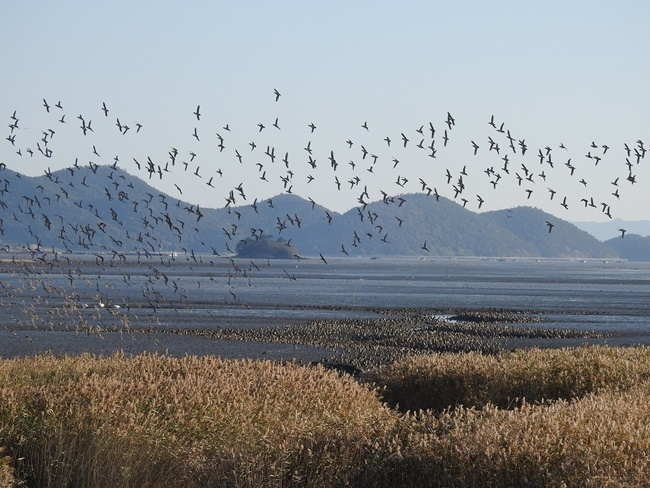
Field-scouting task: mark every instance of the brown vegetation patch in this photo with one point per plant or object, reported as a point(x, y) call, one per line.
point(153, 420)
point(442, 381)
point(160, 421)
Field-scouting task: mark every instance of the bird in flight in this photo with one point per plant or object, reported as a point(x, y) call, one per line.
point(622, 231)
point(198, 112)
point(277, 94)
point(550, 226)
point(405, 139)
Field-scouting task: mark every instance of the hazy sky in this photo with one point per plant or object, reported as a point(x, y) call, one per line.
point(554, 72)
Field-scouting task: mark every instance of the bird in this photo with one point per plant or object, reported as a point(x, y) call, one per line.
point(550, 226)
point(622, 231)
point(277, 94)
point(197, 112)
point(405, 139)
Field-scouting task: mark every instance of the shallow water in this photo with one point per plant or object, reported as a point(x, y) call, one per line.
point(50, 306)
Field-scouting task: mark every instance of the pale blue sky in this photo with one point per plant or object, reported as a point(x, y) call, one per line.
point(553, 72)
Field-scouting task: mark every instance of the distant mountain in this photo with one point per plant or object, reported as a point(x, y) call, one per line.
point(448, 229)
point(104, 209)
point(564, 239)
point(632, 247)
point(607, 230)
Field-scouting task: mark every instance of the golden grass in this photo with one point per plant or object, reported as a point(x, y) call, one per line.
point(161, 421)
point(7, 479)
point(154, 420)
point(440, 381)
point(600, 440)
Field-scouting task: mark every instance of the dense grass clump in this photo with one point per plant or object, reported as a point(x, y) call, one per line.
point(7, 479)
point(600, 440)
point(160, 421)
point(441, 381)
point(153, 420)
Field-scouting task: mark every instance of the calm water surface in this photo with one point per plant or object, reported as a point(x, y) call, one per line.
point(52, 307)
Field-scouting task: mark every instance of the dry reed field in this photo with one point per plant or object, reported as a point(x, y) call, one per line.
point(152, 420)
point(507, 379)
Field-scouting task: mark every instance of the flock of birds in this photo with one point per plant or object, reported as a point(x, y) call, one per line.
point(227, 166)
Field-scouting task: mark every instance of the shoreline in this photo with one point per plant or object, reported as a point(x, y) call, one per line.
point(368, 338)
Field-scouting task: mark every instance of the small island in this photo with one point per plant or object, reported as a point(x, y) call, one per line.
point(266, 247)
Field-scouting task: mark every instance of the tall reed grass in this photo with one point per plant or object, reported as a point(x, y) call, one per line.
point(160, 421)
point(440, 381)
point(153, 420)
point(600, 440)
point(7, 479)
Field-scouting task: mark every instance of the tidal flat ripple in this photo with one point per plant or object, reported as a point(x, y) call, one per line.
point(355, 311)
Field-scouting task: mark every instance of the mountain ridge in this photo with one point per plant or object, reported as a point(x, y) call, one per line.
point(604, 231)
point(104, 208)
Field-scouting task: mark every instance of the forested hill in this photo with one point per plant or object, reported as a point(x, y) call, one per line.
point(632, 247)
point(106, 209)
